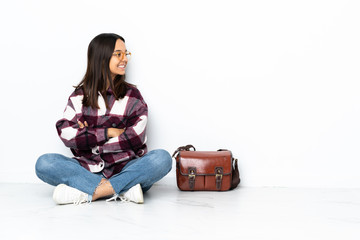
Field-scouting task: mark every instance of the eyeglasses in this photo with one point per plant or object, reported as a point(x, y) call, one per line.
point(121, 54)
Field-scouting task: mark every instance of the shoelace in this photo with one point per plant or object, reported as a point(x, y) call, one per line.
point(116, 196)
point(82, 198)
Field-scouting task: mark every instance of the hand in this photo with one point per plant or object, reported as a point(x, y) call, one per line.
point(82, 125)
point(114, 132)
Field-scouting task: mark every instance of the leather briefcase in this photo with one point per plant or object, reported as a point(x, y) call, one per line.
point(205, 170)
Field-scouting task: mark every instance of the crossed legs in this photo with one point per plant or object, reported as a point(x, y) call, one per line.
point(56, 169)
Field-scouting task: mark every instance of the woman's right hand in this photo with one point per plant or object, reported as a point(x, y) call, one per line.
point(114, 132)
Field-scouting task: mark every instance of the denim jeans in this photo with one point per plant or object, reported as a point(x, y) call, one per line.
point(55, 169)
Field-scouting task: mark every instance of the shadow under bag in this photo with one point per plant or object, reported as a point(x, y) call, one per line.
point(205, 170)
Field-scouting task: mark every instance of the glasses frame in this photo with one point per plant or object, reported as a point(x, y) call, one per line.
point(121, 55)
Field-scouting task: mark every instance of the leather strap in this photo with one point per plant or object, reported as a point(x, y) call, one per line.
point(222, 149)
point(183, 148)
point(192, 176)
point(218, 177)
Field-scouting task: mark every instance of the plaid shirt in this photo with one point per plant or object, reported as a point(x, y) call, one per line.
point(91, 145)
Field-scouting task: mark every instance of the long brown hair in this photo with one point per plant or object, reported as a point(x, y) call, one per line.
point(100, 51)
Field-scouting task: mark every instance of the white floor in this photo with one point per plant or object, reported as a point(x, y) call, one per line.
point(28, 212)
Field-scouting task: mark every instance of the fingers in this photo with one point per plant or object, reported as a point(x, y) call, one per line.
point(82, 125)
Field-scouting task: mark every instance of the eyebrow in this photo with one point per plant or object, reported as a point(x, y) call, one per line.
point(120, 50)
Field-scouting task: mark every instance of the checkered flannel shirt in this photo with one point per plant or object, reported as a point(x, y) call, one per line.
point(91, 145)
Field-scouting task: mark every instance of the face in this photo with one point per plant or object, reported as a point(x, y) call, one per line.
point(118, 64)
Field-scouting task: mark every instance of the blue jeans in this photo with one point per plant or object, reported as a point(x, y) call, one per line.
point(56, 169)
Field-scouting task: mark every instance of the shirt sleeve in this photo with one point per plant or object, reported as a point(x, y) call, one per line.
point(72, 135)
point(134, 136)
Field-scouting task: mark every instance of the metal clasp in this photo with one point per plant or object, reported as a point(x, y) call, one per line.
point(218, 172)
point(192, 174)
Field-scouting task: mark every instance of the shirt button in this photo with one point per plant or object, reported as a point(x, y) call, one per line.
point(113, 125)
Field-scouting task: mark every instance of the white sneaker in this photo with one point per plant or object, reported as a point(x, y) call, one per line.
point(64, 194)
point(134, 194)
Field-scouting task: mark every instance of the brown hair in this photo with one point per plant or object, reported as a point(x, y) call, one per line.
point(100, 51)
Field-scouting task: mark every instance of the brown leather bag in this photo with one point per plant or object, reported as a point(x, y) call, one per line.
point(205, 170)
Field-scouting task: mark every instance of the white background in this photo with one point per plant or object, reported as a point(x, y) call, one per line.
point(277, 82)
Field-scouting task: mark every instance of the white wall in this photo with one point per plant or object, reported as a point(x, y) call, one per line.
point(277, 82)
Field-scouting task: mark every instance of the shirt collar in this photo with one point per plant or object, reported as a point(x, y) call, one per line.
point(110, 91)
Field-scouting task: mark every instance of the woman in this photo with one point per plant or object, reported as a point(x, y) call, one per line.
point(104, 125)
